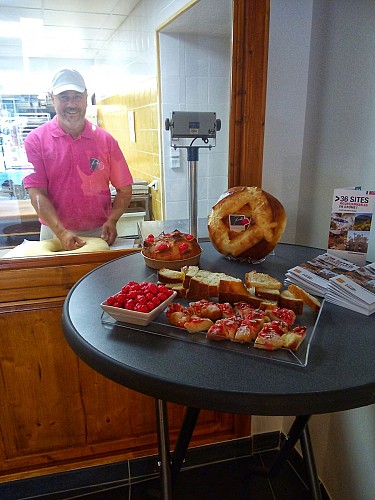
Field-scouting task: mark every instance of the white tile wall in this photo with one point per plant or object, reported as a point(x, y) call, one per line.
point(200, 82)
point(195, 76)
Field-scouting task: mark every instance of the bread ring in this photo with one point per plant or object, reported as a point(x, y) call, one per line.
point(263, 214)
point(54, 246)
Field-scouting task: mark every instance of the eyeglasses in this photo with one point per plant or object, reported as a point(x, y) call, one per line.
point(76, 97)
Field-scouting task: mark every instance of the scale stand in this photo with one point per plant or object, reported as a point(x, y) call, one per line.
point(193, 157)
point(185, 128)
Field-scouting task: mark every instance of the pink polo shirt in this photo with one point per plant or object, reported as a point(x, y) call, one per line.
point(76, 172)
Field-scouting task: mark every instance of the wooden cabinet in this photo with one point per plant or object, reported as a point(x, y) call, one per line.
point(56, 413)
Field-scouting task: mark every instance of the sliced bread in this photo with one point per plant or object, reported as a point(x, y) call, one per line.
point(177, 287)
point(307, 298)
point(233, 290)
point(203, 285)
point(189, 272)
point(290, 301)
point(170, 276)
point(267, 293)
point(261, 280)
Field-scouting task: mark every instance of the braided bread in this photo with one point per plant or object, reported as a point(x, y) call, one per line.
point(246, 222)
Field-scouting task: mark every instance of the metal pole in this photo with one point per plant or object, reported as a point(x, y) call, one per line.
point(163, 446)
point(192, 156)
point(308, 457)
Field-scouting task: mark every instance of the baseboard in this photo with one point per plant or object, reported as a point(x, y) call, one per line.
point(146, 468)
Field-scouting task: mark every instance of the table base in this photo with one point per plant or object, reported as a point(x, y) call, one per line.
point(171, 463)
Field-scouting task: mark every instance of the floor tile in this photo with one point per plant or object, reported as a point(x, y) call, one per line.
point(213, 472)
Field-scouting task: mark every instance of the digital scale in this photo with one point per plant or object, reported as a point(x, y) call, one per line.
point(187, 127)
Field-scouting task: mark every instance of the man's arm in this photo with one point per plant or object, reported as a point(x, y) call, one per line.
point(120, 204)
point(46, 211)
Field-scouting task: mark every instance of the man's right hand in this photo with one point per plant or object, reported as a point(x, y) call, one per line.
point(70, 240)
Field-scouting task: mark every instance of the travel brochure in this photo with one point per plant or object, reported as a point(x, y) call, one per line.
point(355, 291)
point(341, 275)
point(350, 224)
point(339, 281)
point(314, 275)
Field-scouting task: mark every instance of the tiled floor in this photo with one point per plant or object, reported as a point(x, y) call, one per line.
point(216, 472)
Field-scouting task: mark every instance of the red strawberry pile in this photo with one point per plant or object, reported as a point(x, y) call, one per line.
point(140, 297)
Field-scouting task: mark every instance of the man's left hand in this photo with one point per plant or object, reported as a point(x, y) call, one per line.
point(109, 232)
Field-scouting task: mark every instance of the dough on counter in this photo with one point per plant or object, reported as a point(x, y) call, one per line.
point(54, 246)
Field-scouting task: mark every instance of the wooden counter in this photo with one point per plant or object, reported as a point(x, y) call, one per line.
point(17, 209)
point(56, 413)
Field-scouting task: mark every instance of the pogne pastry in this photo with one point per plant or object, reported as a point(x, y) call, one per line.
point(171, 246)
point(269, 329)
point(246, 222)
point(270, 336)
point(197, 324)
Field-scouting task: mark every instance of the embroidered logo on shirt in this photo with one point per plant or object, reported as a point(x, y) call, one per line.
point(96, 164)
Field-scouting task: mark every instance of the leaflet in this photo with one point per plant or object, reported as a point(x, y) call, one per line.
point(351, 218)
point(338, 280)
point(314, 274)
point(356, 289)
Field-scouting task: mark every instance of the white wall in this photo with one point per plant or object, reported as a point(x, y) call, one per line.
point(195, 76)
point(320, 120)
point(137, 35)
point(320, 135)
point(339, 146)
point(289, 48)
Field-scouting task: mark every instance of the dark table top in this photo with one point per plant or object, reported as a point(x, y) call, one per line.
point(339, 374)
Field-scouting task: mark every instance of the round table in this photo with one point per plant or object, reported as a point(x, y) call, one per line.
point(339, 374)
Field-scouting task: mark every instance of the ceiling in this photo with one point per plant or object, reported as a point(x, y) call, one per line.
point(77, 28)
point(81, 29)
point(207, 16)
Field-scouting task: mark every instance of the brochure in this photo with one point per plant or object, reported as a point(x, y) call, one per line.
point(355, 290)
point(349, 230)
point(314, 274)
point(339, 281)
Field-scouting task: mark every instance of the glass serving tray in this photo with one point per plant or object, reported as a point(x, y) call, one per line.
point(161, 327)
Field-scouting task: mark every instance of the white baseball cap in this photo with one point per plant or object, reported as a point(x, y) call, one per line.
point(68, 79)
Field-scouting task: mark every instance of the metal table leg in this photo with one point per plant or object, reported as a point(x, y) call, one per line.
point(308, 457)
point(171, 468)
point(163, 447)
point(289, 443)
point(183, 441)
point(298, 431)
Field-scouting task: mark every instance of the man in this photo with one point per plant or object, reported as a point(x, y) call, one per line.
point(74, 163)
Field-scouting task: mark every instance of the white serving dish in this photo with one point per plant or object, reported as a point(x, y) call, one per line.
point(134, 317)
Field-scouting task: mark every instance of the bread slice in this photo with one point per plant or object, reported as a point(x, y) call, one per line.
point(232, 290)
point(307, 298)
point(170, 276)
point(261, 280)
point(177, 287)
point(268, 304)
point(204, 284)
point(253, 301)
point(290, 301)
point(189, 272)
point(267, 293)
